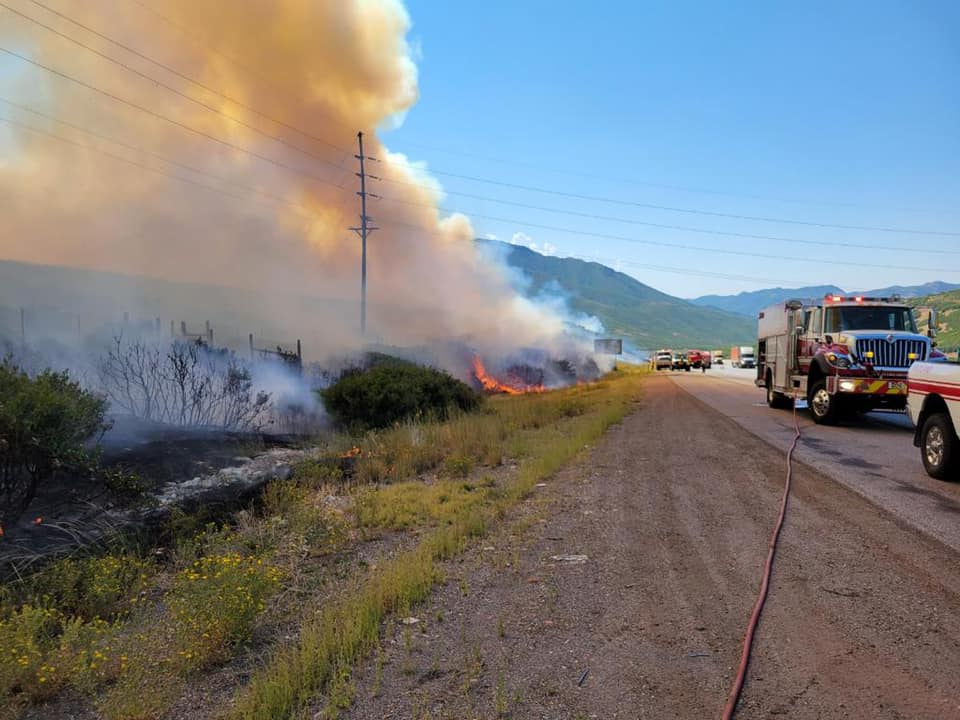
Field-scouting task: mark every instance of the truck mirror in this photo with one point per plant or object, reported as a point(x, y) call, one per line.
point(932, 324)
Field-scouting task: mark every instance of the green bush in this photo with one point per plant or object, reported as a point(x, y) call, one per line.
point(45, 422)
point(123, 483)
point(392, 391)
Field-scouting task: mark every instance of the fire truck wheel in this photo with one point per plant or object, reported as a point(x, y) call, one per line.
point(939, 447)
point(823, 405)
point(776, 400)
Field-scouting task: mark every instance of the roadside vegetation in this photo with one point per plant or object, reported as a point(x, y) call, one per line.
point(948, 308)
point(288, 595)
point(46, 421)
point(393, 390)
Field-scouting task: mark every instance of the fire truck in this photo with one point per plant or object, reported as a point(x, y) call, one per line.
point(840, 353)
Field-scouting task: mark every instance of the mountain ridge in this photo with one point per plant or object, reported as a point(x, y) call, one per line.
point(644, 316)
point(749, 303)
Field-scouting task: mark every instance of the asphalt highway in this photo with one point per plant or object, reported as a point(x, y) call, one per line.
point(873, 455)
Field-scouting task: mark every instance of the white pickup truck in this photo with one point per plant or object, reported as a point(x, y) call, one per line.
point(933, 403)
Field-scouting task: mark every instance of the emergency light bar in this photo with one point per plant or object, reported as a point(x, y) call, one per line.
point(860, 299)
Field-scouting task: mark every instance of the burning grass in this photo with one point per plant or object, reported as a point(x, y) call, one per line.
point(132, 632)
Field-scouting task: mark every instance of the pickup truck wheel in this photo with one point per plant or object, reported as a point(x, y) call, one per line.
point(823, 405)
point(939, 447)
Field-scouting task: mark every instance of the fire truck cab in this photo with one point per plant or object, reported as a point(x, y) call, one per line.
point(840, 353)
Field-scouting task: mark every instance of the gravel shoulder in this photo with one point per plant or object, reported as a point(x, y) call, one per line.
point(672, 511)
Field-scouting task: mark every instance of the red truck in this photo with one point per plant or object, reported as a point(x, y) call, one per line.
point(701, 359)
point(839, 353)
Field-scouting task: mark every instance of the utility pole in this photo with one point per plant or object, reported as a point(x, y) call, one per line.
point(364, 230)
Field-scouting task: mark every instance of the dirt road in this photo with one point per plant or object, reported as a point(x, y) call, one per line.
point(672, 512)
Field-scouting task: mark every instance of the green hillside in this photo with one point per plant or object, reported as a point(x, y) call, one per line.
point(947, 305)
point(627, 308)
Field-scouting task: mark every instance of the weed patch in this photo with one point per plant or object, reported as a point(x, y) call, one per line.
point(213, 605)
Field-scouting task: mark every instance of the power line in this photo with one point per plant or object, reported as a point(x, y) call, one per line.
point(430, 230)
point(681, 271)
point(500, 219)
point(698, 248)
point(469, 195)
point(684, 228)
point(229, 58)
point(118, 158)
point(177, 123)
point(461, 194)
point(164, 85)
point(423, 229)
point(189, 79)
point(691, 211)
point(275, 200)
point(643, 183)
point(143, 151)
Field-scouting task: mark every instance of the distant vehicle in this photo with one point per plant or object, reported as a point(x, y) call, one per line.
point(840, 353)
point(706, 360)
point(680, 362)
point(718, 357)
point(663, 360)
point(694, 359)
point(933, 404)
point(742, 356)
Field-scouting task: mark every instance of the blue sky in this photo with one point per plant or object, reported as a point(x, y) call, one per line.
point(836, 113)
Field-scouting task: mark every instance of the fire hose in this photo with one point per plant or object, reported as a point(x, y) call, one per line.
point(731, 706)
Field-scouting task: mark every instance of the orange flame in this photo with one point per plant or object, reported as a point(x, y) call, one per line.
point(352, 452)
point(491, 384)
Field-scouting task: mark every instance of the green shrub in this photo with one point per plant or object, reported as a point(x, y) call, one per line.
point(45, 422)
point(394, 390)
point(124, 483)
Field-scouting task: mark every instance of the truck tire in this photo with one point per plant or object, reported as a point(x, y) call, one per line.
point(776, 400)
point(940, 448)
point(823, 405)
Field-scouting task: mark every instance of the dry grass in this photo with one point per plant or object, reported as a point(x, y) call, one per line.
point(128, 632)
point(556, 426)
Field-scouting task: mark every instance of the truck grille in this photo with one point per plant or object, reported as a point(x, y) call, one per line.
point(894, 354)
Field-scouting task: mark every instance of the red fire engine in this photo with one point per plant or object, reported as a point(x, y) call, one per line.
point(841, 353)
